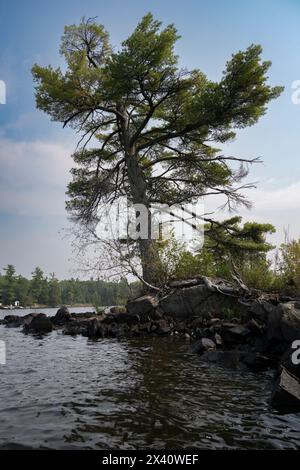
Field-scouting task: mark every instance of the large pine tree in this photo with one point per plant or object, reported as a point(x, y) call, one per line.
point(149, 130)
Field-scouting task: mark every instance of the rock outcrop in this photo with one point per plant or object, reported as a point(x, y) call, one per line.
point(39, 324)
point(286, 393)
point(62, 316)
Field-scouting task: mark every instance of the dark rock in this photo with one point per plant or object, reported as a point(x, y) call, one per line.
point(29, 317)
point(257, 362)
point(77, 327)
point(202, 345)
point(290, 321)
point(13, 321)
point(259, 344)
point(286, 396)
point(196, 301)
point(260, 310)
point(62, 316)
point(84, 315)
point(286, 392)
point(142, 306)
point(283, 323)
point(274, 333)
point(235, 335)
point(128, 318)
point(256, 327)
point(145, 327)
point(39, 324)
point(197, 322)
point(95, 328)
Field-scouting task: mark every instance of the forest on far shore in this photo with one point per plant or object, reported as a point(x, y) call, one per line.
point(51, 292)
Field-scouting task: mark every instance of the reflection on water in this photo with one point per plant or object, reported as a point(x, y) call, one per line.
point(63, 392)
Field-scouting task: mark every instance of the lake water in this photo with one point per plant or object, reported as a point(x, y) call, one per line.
point(63, 392)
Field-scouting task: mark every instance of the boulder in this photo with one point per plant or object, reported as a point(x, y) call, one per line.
point(142, 306)
point(39, 324)
point(286, 393)
point(290, 321)
point(114, 309)
point(234, 335)
point(123, 318)
point(257, 327)
point(202, 345)
point(145, 327)
point(284, 323)
point(62, 316)
point(258, 362)
point(95, 328)
point(183, 303)
point(274, 333)
point(29, 317)
point(13, 321)
point(196, 301)
point(260, 310)
point(77, 327)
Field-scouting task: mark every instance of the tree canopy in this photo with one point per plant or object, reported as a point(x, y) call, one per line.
point(149, 129)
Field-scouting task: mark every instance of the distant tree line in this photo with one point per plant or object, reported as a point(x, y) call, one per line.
point(49, 291)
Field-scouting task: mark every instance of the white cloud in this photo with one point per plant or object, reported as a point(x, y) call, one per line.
point(280, 199)
point(279, 206)
point(33, 177)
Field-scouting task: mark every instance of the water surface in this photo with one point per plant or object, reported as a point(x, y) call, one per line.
point(66, 392)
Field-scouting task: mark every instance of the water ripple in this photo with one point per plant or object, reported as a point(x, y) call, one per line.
point(68, 393)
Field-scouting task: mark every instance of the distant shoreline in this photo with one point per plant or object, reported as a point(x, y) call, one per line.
point(39, 306)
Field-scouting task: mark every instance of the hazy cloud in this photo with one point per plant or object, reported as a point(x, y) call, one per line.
point(33, 177)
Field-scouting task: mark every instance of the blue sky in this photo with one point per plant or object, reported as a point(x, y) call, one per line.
point(35, 152)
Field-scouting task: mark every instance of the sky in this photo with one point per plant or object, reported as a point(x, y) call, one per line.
point(35, 153)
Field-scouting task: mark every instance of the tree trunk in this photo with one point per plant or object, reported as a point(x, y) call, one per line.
point(150, 260)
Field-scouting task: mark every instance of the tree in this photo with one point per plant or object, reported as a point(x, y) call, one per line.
point(288, 266)
point(44, 292)
point(54, 291)
point(230, 245)
point(228, 240)
point(22, 290)
point(154, 126)
point(9, 285)
point(36, 284)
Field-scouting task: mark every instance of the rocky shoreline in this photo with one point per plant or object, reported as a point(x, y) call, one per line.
point(224, 324)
